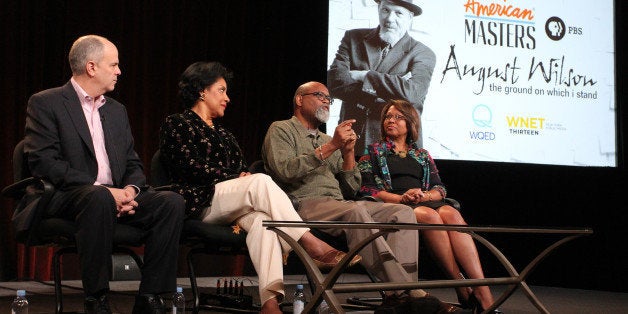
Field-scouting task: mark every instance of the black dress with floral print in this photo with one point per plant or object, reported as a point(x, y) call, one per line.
point(198, 157)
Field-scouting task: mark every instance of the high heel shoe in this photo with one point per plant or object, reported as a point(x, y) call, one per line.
point(474, 304)
point(464, 303)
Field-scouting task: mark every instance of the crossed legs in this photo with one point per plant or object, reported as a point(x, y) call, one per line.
point(249, 200)
point(391, 259)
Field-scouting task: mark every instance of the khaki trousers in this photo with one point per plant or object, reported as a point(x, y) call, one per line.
point(392, 259)
point(249, 200)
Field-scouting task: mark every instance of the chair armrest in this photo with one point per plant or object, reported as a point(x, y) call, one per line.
point(163, 188)
point(369, 198)
point(295, 202)
point(453, 203)
point(18, 189)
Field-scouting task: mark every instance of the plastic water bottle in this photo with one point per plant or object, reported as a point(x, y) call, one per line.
point(20, 304)
point(299, 300)
point(178, 302)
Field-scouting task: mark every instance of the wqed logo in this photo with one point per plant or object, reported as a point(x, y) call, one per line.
point(482, 117)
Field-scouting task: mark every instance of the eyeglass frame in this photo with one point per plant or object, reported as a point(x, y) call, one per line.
point(322, 97)
point(397, 117)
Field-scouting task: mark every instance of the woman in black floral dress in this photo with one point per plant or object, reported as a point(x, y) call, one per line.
point(208, 169)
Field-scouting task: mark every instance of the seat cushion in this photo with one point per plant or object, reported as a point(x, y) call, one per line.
point(213, 236)
point(62, 231)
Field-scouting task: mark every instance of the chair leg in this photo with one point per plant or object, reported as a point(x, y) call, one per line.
point(373, 279)
point(196, 295)
point(56, 269)
point(56, 265)
point(193, 284)
point(367, 302)
point(57, 279)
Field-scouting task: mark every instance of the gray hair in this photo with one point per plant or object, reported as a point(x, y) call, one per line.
point(84, 49)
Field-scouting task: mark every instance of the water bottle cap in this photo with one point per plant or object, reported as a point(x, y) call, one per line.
point(21, 293)
point(179, 289)
point(300, 287)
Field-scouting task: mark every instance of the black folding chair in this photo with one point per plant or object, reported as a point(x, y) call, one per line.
point(56, 232)
point(203, 238)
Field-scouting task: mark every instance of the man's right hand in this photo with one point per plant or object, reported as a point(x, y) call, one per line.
point(125, 202)
point(344, 134)
point(344, 139)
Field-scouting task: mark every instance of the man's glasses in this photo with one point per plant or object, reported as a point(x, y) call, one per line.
point(397, 117)
point(322, 97)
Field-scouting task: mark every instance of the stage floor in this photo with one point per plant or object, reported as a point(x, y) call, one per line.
point(557, 300)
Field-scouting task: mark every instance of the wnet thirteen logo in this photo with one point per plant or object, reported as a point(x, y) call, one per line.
point(518, 125)
point(482, 117)
point(499, 24)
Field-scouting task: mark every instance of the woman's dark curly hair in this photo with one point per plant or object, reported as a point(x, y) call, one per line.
point(197, 77)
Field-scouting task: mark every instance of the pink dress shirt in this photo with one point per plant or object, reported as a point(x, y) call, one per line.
point(90, 107)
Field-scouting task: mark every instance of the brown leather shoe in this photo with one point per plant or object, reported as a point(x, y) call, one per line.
point(332, 258)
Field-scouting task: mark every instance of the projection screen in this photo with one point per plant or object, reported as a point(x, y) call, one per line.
point(514, 81)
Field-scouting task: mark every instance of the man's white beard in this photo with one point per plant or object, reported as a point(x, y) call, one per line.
point(390, 37)
point(321, 115)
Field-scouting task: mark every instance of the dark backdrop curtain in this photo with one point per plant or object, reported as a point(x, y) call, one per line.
point(272, 47)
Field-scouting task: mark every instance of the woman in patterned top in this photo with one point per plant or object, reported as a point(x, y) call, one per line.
point(207, 167)
point(397, 171)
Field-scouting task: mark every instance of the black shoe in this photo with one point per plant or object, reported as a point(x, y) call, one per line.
point(149, 304)
point(404, 303)
point(395, 304)
point(99, 305)
point(474, 304)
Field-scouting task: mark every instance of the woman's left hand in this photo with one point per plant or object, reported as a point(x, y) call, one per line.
point(412, 196)
point(244, 174)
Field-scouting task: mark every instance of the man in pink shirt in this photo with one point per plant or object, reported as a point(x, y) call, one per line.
point(81, 141)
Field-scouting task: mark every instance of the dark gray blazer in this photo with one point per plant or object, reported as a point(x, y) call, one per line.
point(405, 73)
point(59, 147)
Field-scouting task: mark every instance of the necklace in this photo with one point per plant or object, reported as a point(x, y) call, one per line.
point(401, 152)
point(209, 123)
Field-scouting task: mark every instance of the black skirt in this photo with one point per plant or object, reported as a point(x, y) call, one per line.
point(432, 204)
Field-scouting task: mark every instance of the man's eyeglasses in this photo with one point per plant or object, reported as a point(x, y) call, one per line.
point(397, 117)
point(322, 97)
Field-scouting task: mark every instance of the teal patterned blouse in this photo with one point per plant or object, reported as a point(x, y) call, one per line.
point(376, 176)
